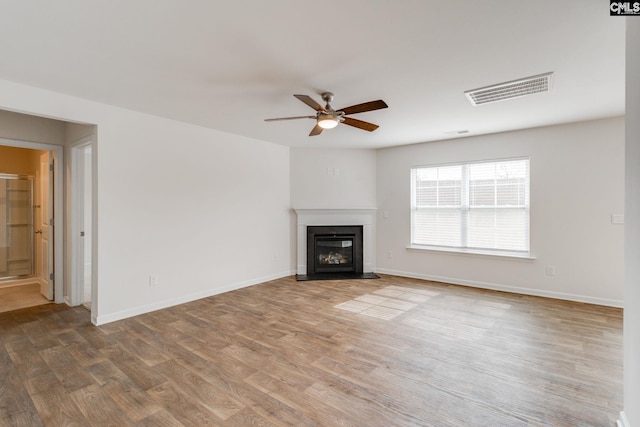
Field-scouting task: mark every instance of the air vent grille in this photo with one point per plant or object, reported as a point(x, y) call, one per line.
point(509, 90)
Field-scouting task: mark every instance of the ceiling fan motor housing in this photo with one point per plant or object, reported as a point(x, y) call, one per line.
point(327, 97)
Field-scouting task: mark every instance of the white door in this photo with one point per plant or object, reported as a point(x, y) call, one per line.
point(45, 226)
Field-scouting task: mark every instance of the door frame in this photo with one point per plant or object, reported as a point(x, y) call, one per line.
point(58, 208)
point(77, 222)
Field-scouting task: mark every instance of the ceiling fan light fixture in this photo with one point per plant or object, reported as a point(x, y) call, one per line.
point(327, 122)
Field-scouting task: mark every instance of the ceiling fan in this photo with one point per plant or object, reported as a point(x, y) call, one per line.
point(328, 118)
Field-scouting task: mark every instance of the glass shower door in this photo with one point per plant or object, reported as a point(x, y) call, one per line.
point(16, 226)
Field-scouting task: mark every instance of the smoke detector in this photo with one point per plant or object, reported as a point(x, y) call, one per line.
point(510, 90)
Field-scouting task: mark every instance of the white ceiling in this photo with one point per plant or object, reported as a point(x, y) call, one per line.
point(228, 65)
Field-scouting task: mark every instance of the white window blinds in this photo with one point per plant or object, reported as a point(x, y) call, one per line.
point(482, 206)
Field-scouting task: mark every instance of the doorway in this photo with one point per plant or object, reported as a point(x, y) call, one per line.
point(19, 131)
point(44, 240)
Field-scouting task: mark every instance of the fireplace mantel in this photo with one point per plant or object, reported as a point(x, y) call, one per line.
point(365, 217)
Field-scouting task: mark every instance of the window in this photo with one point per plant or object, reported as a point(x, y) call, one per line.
point(480, 206)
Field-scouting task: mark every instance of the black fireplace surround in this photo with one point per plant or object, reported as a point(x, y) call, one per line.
point(335, 252)
point(334, 249)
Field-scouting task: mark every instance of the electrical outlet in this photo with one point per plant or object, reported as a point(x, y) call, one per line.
point(551, 270)
point(153, 280)
point(389, 254)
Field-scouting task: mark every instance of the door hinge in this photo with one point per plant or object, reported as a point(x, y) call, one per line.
point(51, 167)
point(51, 276)
point(51, 221)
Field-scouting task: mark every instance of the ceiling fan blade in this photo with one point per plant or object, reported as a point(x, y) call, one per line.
point(310, 102)
point(289, 118)
point(367, 106)
point(360, 124)
point(317, 130)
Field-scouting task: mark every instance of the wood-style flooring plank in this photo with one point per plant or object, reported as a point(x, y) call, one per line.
point(135, 369)
point(183, 407)
point(15, 403)
point(53, 403)
point(202, 392)
point(98, 407)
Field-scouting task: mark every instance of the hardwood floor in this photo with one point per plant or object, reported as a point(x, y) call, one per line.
point(388, 352)
point(22, 296)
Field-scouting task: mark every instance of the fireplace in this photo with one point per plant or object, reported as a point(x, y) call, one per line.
point(334, 249)
point(335, 244)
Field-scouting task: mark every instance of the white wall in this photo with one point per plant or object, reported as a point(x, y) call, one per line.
point(631, 414)
point(24, 127)
point(76, 131)
point(315, 184)
point(571, 228)
point(202, 210)
point(331, 179)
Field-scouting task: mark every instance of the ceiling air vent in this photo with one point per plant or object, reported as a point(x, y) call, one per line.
point(509, 90)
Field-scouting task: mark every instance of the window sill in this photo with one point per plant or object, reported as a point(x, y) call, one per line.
point(473, 252)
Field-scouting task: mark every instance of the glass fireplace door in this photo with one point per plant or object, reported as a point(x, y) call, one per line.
point(334, 254)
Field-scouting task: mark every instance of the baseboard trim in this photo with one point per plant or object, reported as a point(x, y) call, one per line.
point(108, 318)
point(623, 421)
point(506, 288)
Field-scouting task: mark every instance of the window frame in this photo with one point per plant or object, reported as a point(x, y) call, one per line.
point(464, 208)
